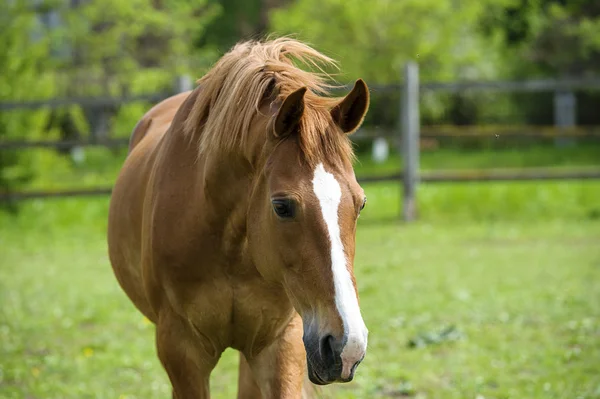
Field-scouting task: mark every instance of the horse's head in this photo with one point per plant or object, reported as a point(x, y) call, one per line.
point(302, 227)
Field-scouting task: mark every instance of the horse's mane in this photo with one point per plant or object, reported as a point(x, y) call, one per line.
point(233, 90)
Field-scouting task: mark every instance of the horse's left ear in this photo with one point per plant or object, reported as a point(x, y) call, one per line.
point(350, 112)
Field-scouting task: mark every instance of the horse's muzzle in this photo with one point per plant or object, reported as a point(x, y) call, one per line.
point(324, 360)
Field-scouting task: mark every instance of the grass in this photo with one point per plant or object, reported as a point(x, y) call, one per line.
point(513, 157)
point(510, 266)
point(514, 267)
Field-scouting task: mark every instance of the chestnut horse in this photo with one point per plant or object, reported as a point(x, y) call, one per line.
point(232, 224)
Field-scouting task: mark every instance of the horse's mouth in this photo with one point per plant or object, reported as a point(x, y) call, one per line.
point(315, 378)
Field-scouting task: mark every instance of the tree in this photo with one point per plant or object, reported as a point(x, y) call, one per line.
point(64, 48)
point(551, 39)
point(22, 77)
point(238, 20)
point(374, 39)
point(117, 48)
point(120, 47)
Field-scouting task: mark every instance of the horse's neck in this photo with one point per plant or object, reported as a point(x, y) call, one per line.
point(215, 187)
point(198, 204)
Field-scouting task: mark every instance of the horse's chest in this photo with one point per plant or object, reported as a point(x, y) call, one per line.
point(246, 314)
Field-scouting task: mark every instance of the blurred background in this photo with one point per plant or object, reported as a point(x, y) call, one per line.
point(490, 292)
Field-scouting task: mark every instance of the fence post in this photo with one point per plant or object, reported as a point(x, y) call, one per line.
point(565, 111)
point(183, 83)
point(410, 140)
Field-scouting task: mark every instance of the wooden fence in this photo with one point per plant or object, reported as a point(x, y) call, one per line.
point(564, 120)
point(408, 135)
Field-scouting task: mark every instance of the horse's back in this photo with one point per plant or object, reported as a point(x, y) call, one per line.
point(127, 200)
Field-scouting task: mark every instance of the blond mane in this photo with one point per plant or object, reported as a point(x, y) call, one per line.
point(232, 92)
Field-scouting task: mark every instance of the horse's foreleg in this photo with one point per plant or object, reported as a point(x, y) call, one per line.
point(279, 370)
point(185, 357)
point(247, 386)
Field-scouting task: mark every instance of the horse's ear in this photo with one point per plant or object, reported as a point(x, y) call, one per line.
point(350, 112)
point(290, 113)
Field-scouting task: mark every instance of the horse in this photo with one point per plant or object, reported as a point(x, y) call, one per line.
point(232, 223)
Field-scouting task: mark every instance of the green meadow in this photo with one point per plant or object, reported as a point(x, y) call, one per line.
point(493, 293)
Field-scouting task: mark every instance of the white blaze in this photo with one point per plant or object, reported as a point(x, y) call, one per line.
point(328, 191)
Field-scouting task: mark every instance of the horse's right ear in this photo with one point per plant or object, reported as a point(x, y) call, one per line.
point(290, 113)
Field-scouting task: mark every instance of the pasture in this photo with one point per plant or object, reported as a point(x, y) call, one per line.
point(494, 291)
point(511, 268)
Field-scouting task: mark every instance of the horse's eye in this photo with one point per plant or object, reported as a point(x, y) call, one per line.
point(363, 204)
point(284, 208)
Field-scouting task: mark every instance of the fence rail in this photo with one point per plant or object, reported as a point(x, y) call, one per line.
point(527, 86)
point(492, 175)
point(82, 101)
point(39, 194)
point(430, 131)
point(63, 144)
point(451, 176)
point(485, 131)
point(440, 131)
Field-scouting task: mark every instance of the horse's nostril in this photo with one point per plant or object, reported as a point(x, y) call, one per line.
point(354, 368)
point(326, 348)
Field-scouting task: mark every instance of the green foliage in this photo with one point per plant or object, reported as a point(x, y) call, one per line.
point(22, 77)
point(128, 47)
point(88, 48)
point(467, 40)
point(374, 39)
point(549, 39)
point(450, 40)
point(237, 20)
point(119, 47)
point(562, 36)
